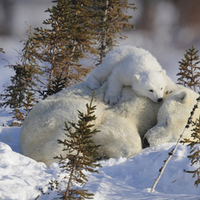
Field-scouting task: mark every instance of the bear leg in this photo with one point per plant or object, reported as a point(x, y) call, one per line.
point(114, 90)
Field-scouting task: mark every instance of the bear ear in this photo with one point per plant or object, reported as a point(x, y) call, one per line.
point(183, 97)
point(163, 72)
point(136, 78)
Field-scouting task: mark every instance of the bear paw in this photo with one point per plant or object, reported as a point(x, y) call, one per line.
point(110, 99)
point(93, 83)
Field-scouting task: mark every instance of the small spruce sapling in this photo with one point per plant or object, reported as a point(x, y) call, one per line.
point(195, 150)
point(189, 70)
point(81, 154)
point(19, 95)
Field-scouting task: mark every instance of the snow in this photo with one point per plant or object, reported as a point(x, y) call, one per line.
point(122, 178)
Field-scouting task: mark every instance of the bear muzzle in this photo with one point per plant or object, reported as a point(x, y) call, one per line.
point(159, 100)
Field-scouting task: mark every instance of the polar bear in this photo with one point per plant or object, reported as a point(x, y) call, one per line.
point(121, 126)
point(173, 116)
point(131, 66)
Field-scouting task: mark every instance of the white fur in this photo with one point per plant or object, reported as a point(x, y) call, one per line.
point(131, 66)
point(121, 126)
point(173, 116)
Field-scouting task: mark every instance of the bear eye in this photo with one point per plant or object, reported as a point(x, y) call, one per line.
point(161, 88)
point(150, 90)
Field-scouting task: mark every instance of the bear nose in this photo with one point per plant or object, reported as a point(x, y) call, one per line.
point(160, 99)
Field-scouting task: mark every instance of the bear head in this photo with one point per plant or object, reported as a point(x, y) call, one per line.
point(172, 117)
point(150, 84)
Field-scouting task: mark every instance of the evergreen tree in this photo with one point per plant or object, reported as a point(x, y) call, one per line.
point(23, 85)
point(67, 38)
point(14, 94)
point(24, 80)
point(17, 95)
point(112, 21)
point(189, 70)
point(76, 29)
point(194, 145)
point(82, 153)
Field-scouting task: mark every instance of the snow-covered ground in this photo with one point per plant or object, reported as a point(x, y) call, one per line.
point(122, 178)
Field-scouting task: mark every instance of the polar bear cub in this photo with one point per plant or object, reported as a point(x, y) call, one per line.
point(131, 66)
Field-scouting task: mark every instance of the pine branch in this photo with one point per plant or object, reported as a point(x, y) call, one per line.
point(81, 152)
point(189, 74)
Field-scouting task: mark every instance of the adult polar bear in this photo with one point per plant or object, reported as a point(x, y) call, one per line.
point(131, 66)
point(121, 126)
